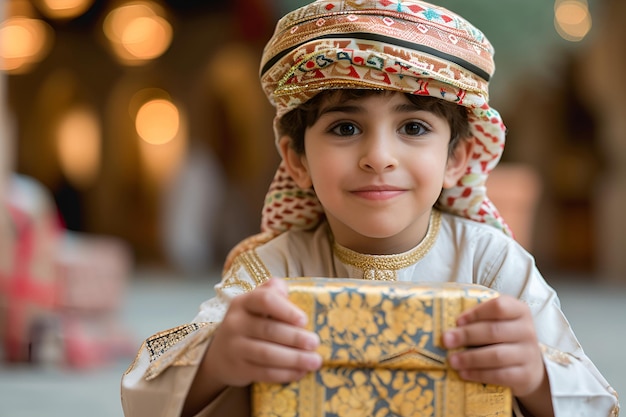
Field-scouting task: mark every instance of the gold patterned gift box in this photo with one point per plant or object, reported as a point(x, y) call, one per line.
point(382, 351)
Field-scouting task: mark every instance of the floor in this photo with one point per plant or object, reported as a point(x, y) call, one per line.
point(156, 301)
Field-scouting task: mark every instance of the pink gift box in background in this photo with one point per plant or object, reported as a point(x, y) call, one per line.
point(60, 291)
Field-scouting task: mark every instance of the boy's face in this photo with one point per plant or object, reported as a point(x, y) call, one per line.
point(378, 165)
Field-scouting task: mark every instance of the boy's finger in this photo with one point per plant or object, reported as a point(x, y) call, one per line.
point(277, 284)
point(484, 333)
point(270, 300)
point(271, 355)
point(503, 307)
point(281, 333)
point(488, 357)
point(512, 376)
point(266, 301)
point(278, 375)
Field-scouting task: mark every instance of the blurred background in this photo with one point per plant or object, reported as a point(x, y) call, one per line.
point(136, 147)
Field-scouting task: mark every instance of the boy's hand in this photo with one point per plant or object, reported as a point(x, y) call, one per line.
point(504, 348)
point(262, 339)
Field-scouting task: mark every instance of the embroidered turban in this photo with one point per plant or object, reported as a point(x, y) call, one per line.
point(408, 46)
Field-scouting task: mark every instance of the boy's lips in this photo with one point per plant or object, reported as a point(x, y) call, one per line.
point(378, 192)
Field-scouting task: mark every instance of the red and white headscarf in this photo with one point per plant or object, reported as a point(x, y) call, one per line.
point(408, 46)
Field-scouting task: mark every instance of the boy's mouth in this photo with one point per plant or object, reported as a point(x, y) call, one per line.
point(378, 192)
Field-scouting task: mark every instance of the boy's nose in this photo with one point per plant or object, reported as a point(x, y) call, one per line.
point(378, 155)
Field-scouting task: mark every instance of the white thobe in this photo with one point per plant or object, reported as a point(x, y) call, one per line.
point(454, 250)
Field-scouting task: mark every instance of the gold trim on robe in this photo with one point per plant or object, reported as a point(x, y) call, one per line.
point(385, 267)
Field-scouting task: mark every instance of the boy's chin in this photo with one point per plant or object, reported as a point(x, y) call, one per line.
point(379, 241)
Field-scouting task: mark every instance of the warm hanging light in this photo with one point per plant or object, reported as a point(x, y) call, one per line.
point(572, 19)
point(78, 140)
point(129, 100)
point(64, 9)
point(138, 32)
point(23, 43)
point(157, 121)
point(161, 127)
point(161, 162)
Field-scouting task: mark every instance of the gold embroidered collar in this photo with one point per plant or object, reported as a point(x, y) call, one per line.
point(385, 267)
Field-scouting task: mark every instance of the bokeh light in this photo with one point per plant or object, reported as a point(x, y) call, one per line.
point(163, 140)
point(572, 19)
point(157, 121)
point(63, 9)
point(79, 143)
point(138, 32)
point(23, 42)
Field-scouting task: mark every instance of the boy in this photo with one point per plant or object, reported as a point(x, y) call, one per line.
point(387, 139)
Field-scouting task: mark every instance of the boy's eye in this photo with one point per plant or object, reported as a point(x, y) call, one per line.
point(345, 129)
point(414, 129)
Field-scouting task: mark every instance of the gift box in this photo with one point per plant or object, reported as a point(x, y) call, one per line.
point(92, 272)
point(60, 291)
point(383, 355)
point(27, 285)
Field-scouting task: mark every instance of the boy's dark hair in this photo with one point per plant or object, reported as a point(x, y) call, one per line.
point(294, 123)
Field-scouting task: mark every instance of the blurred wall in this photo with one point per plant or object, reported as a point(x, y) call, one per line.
point(6, 145)
point(602, 82)
point(6, 161)
point(209, 72)
point(567, 121)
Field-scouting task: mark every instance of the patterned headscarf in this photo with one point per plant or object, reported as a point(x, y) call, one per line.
point(400, 45)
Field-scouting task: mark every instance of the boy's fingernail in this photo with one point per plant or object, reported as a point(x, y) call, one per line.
point(315, 362)
point(454, 361)
point(319, 362)
point(312, 341)
point(449, 339)
point(301, 319)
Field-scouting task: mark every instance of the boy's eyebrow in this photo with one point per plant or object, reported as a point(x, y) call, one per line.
point(347, 108)
point(341, 108)
point(408, 107)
